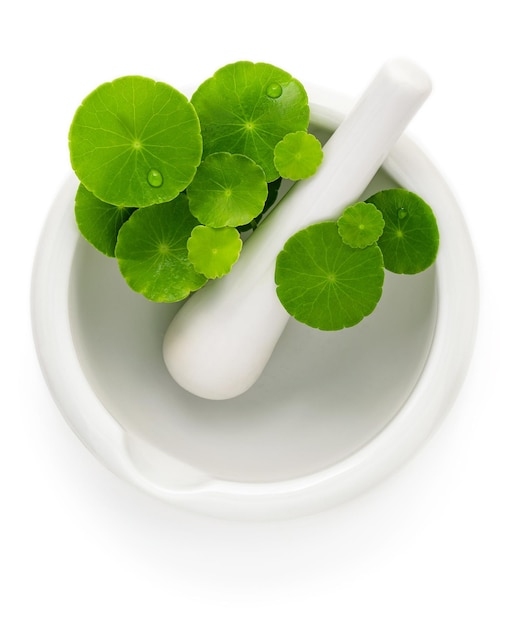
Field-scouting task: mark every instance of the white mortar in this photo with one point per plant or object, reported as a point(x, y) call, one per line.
point(331, 416)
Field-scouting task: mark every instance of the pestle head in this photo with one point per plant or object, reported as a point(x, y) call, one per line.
point(408, 74)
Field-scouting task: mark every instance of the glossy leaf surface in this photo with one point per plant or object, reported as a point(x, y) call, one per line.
point(326, 284)
point(135, 142)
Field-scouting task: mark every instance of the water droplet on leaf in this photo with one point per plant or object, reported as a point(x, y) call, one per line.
point(402, 213)
point(274, 90)
point(155, 178)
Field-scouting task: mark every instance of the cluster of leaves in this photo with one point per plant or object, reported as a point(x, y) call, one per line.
point(330, 275)
point(167, 184)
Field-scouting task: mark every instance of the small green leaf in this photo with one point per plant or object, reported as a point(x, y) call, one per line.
point(246, 108)
point(152, 251)
point(326, 284)
point(298, 155)
point(360, 225)
point(410, 240)
point(213, 251)
point(228, 190)
point(135, 142)
point(99, 222)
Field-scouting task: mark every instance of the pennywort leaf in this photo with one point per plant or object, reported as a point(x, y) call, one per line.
point(228, 190)
point(135, 142)
point(213, 251)
point(247, 108)
point(152, 251)
point(360, 225)
point(410, 239)
point(326, 284)
point(298, 155)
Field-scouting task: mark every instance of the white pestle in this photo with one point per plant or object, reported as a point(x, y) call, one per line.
point(220, 340)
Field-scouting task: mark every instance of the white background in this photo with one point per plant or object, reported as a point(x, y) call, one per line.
point(431, 545)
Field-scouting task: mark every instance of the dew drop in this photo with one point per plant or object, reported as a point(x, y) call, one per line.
point(402, 213)
point(155, 178)
point(274, 90)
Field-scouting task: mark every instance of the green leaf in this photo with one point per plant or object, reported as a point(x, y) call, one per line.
point(152, 251)
point(246, 108)
point(135, 142)
point(326, 284)
point(228, 190)
point(213, 251)
point(410, 240)
point(360, 225)
point(99, 222)
point(298, 155)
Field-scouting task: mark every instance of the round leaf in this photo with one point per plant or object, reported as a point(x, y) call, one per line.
point(152, 251)
point(213, 251)
point(98, 221)
point(228, 190)
point(246, 108)
point(298, 155)
point(135, 142)
point(410, 240)
point(326, 284)
point(360, 225)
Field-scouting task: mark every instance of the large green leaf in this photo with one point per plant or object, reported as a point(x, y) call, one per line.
point(326, 284)
point(135, 142)
point(247, 108)
point(152, 251)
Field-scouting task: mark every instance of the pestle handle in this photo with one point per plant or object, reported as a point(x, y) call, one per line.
point(221, 339)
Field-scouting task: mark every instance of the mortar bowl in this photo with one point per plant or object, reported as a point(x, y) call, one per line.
point(333, 413)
